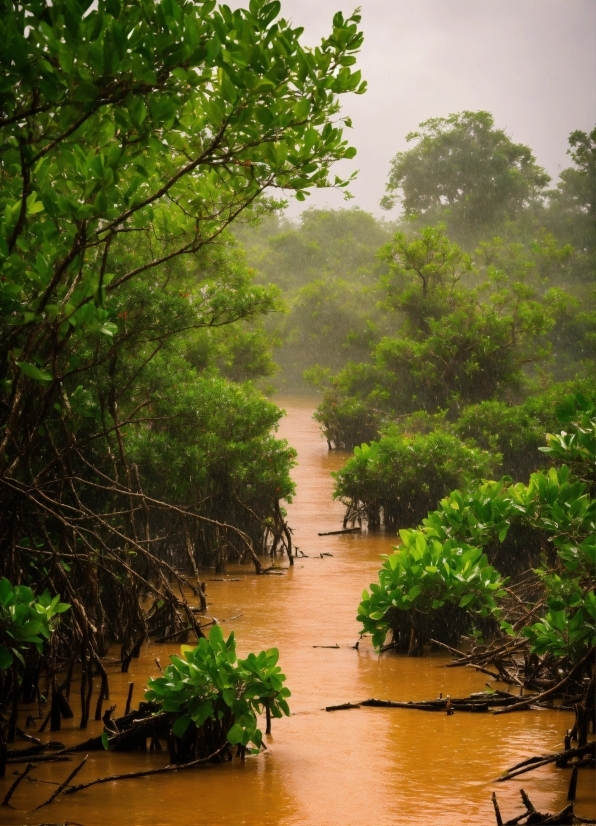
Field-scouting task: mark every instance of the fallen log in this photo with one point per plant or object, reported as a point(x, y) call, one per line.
point(336, 533)
point(342, 706)
point(432, 705)
point(47, 758)
point(480, 702)
point(37, 749)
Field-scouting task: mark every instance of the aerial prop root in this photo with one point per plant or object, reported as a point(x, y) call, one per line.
point(536, 818)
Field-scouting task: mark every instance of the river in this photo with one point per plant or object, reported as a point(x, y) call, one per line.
point(362, 767)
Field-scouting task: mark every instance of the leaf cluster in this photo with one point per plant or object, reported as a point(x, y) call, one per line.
point(404, 477)
point(208, 681)
point(25, 620)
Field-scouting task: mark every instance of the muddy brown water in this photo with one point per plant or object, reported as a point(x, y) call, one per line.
point(363, 767)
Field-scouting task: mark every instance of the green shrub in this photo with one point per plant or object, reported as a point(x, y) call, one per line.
point(517, 431)
point(446, 560)
point(398, 479)
point(214, 698)
point(421, 587)
point(346, 421)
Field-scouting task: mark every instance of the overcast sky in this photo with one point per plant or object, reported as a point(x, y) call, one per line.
point(532, 63)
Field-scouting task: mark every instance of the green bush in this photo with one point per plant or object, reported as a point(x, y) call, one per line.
point(347, 421)
point(517, 431)
point(398, 479)
point(214, 698)
point(423, 588)
point(447, 559)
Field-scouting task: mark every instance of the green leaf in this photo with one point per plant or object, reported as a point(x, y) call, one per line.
point(34, 372)
point(235, 734)
point(180, 725)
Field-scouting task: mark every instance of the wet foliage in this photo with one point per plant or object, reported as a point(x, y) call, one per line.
point(398, 479)
point(448, 558)
point(213, 697)
point(134, 445)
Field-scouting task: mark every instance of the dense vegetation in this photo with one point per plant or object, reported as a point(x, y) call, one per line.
point(146, 278)
point(449, 571)
point(134, 446)
point(327, 269)
point(488, 334)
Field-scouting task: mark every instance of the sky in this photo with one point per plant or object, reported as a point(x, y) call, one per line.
point(531, 63)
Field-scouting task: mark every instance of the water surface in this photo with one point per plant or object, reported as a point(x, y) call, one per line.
point(365, 767)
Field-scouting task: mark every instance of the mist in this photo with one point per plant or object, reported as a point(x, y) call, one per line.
point(531, 63)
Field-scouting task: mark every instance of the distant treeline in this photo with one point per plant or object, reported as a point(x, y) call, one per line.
point(337, 273)
point(458, 327)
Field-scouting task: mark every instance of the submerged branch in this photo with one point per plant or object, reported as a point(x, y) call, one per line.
point(146, 772)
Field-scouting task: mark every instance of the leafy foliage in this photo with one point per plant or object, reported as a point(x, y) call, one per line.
point(464, 170)
point(457, 345)
point(423, 575)
point(208, 686)
point(401, 478)
point(133, 134)
point(516, 432)
point(554, 507)
point(572, 207)
point(25, 620)
point(578, 448)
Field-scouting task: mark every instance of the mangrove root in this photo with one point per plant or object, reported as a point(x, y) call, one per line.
point(146, 772)
point(560, 757)
point(536, 818)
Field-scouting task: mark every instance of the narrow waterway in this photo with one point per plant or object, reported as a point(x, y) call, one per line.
point(371, 767)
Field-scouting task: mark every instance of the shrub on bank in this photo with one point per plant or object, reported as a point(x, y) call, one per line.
point(397, 480)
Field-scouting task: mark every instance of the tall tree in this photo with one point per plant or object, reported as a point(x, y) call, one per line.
point(132, 134)
point(572, 212)
point(466, 172)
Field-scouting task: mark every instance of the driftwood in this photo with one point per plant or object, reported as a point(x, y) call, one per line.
point(481, 702)
point(146, 772)
point(14, 786)
point(342, 707)
point(47, 758)
point(560, 757)
point(63, 785)
point(536, 818)
point(32, 751)
point(335, 533)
